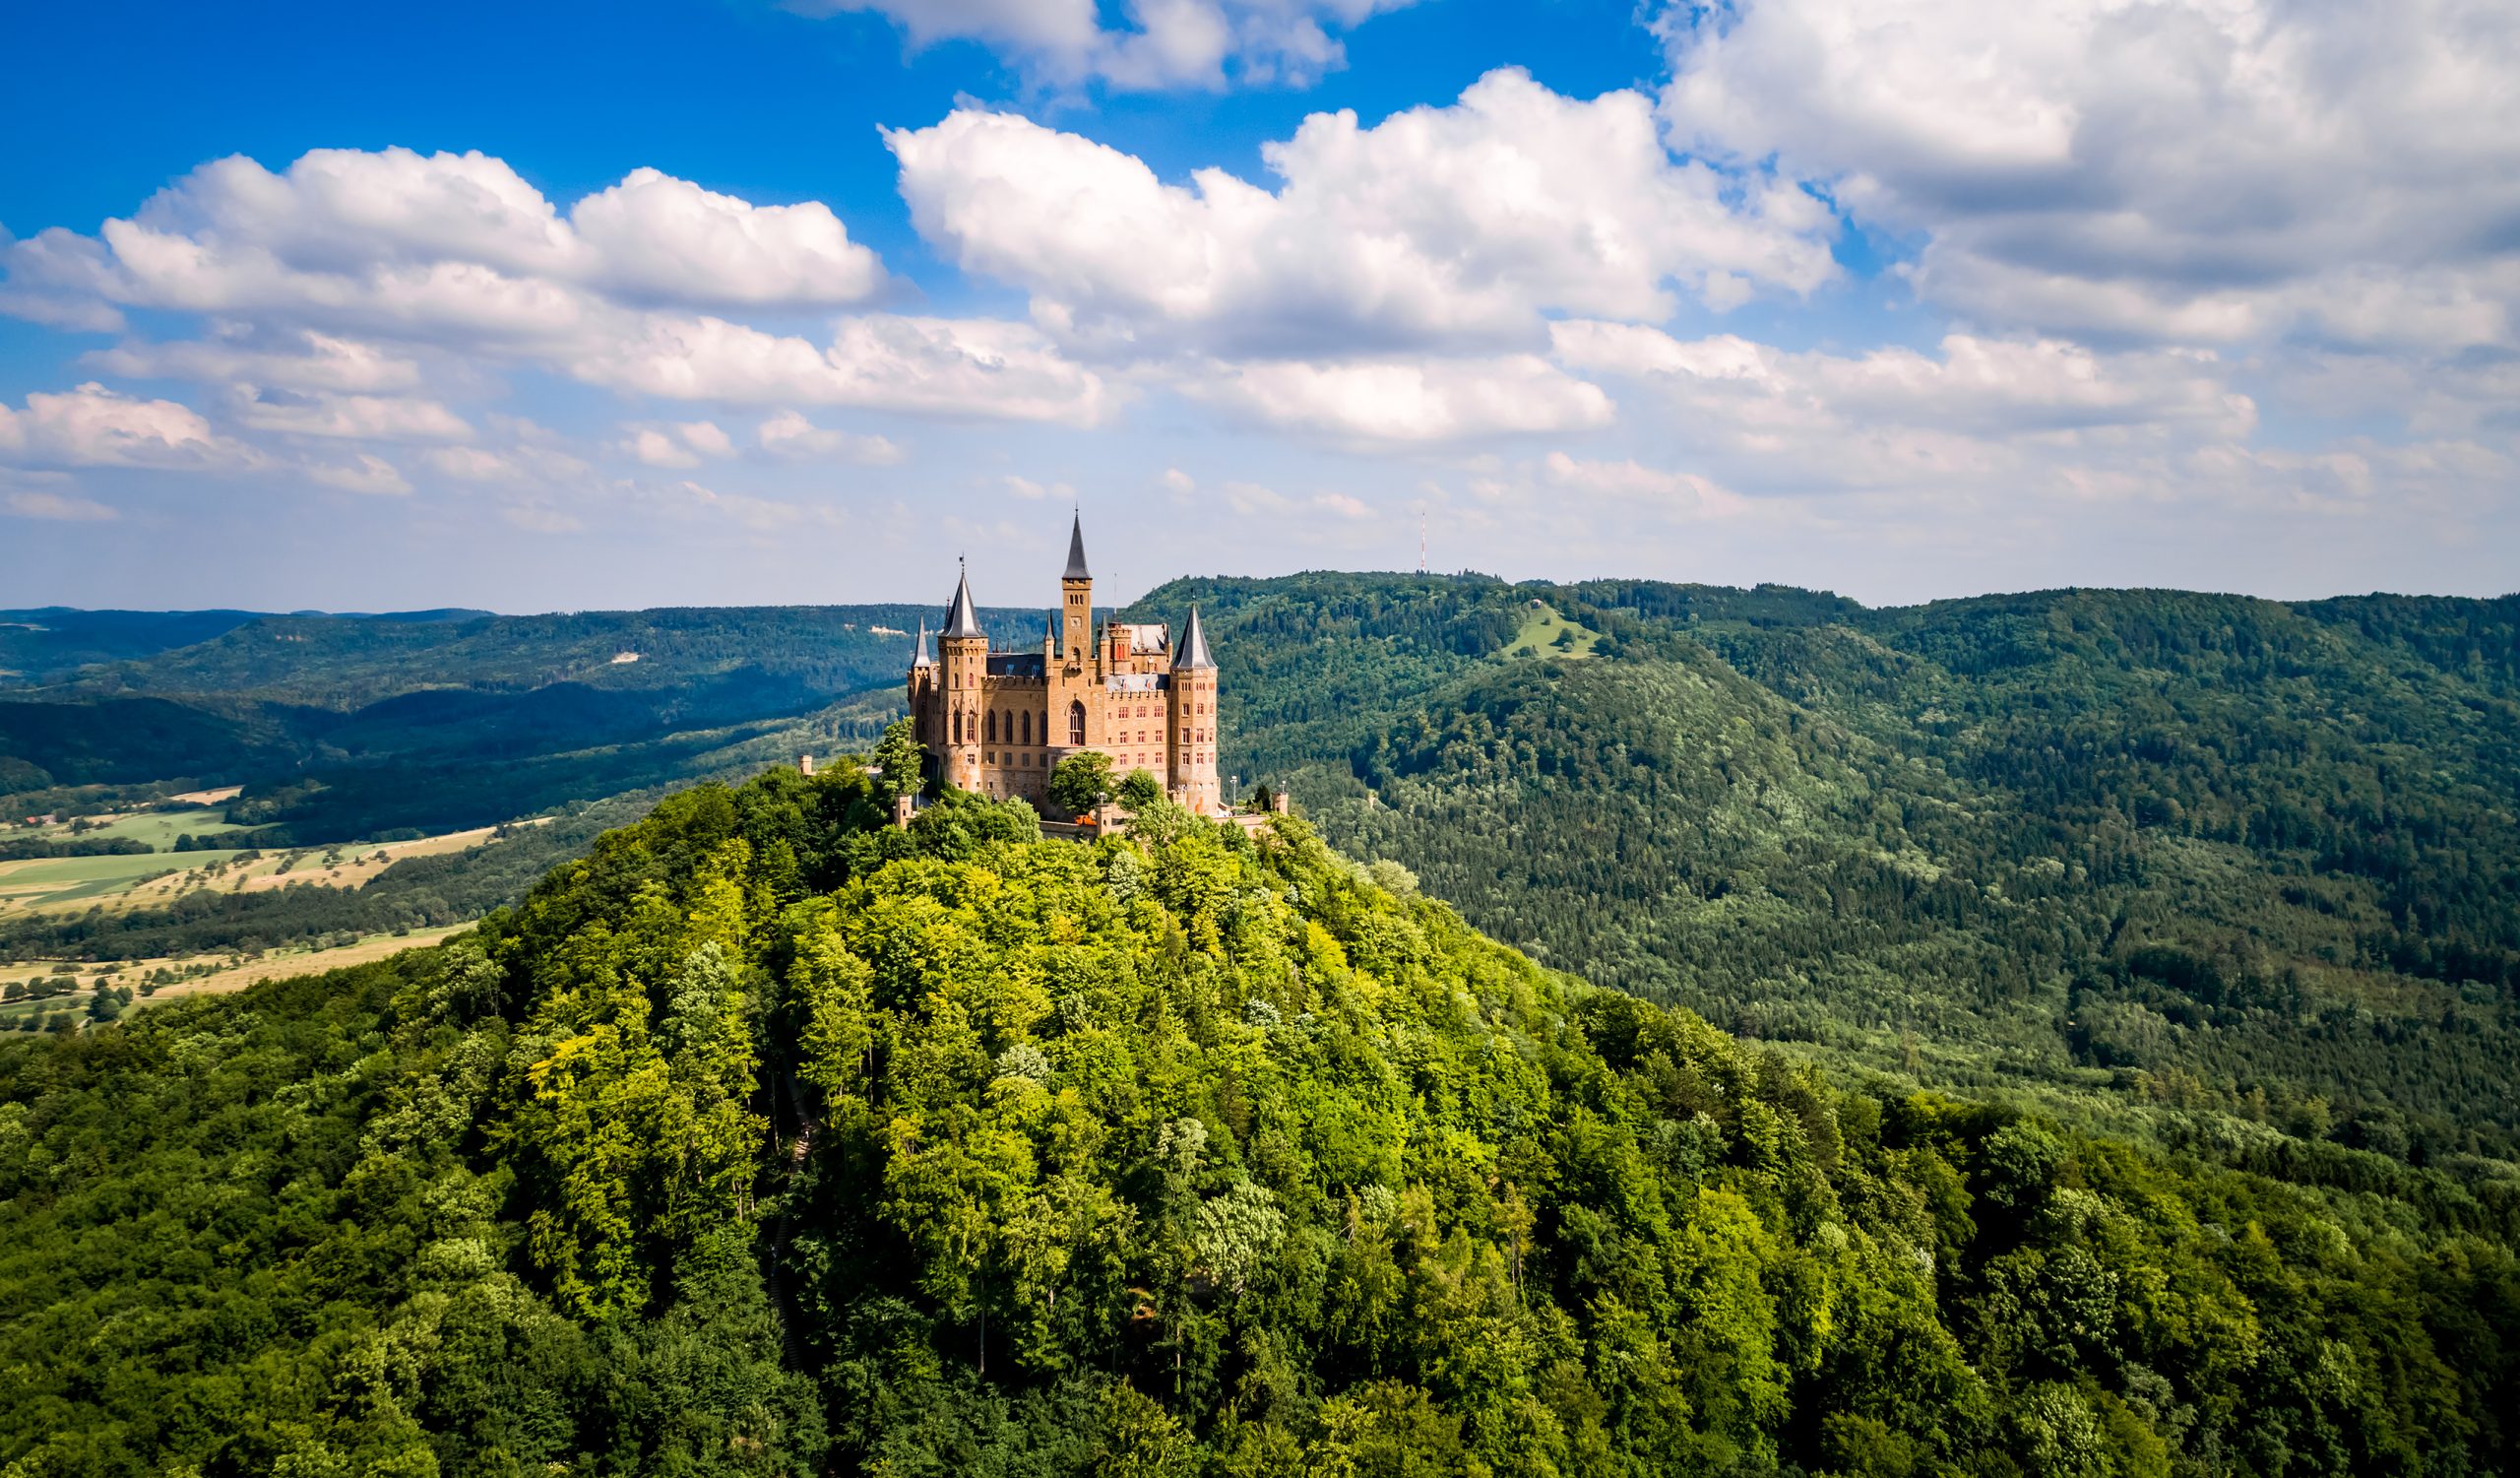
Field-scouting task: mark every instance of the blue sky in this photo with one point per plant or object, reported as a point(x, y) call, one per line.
point(566, 306)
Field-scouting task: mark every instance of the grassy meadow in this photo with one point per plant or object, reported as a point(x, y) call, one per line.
point(41, 992)
point(1542, 631)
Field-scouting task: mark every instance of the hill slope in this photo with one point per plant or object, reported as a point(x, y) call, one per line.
point(2132, 849)
point(765, 1138)
point(2198, 850)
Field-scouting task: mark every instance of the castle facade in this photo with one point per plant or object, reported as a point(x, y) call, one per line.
point(998, 722)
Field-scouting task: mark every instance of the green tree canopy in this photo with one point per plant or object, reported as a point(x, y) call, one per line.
point(1081, 782)
point(899, 762)
point(1140, 790)
point(770, 1139)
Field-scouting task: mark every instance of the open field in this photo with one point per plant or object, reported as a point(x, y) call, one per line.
point(282, 963)
point(153, 829)
point(142, 880)
point(206, 974)
point(350, 865)
point(56, 881)
point(1541, 631)
point(208, 797)
point(156, 830)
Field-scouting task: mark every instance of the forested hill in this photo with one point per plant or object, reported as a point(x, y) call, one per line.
point(346, 726)
point(2130, 849)
point(768, 1139)
point(2193, 850)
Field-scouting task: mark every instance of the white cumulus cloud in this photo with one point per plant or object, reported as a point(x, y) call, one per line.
point(236, 353)
point(790, 437)
point(883, 362)
point(657, 237)
point(1975, 385)
point(1402, 400)
point(1991, 416)
point(395, 238)
point(525, 464)
point(1455, 226)
point(1165, 43)
point(367, 473)
point(1627, 479)
point(2188, 169)
point(94, 426)
point(681, 446)
point(380, 417)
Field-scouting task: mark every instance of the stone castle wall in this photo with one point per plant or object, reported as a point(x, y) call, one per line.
point(1001, 733)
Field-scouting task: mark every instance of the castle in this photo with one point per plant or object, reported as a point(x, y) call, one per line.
point(996, 723)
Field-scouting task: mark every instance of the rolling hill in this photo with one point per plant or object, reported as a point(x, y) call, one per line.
point(769, 1139)
point(2168, 859)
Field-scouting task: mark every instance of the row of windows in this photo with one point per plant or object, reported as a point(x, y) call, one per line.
point(1034, 759)
point(1019, 729)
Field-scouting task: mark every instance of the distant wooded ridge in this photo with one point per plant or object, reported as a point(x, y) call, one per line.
point(2245, 858)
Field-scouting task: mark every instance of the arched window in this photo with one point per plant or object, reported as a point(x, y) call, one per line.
point(1028, 726)
point(1076, 723)
point(992, 725)
point(958, 725)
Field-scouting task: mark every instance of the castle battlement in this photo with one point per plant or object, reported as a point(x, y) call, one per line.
point(997, 721)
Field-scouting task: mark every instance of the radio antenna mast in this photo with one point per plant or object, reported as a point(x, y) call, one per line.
point(1421, 541)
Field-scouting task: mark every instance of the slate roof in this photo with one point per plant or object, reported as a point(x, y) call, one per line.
point(962, 621)
point(1194, 646)
point(1076, 569)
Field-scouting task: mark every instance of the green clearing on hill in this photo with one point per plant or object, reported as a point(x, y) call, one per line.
point(1545, 633)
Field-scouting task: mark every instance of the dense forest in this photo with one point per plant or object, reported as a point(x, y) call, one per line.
point(346, 726)
point(769, 1139)
point(2127, 851)
point(2169, 849)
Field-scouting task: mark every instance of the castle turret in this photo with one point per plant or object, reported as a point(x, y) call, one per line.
point(922, 683)
point(962, 674)
point(1076, 598)
point(1192, 712)
point(998, 725)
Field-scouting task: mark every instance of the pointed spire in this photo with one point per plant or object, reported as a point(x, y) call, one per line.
point(1076, 569)
point(1194, 646)
point(962, 621)
point(919, 657)
point(1050, 627)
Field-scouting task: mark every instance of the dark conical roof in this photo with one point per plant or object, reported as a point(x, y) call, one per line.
point(1194, 646)
point(919, 657)
point(1076, 569)
point(961, 620)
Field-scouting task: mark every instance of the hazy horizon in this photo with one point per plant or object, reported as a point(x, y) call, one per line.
point(1104, 602)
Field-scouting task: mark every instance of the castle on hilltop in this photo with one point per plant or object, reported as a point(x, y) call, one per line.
point(996, 723)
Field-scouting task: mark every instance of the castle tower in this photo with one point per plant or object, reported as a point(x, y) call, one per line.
point(1192, 726)
point(923, 689)
point(963, 673)
point(1076, 598)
